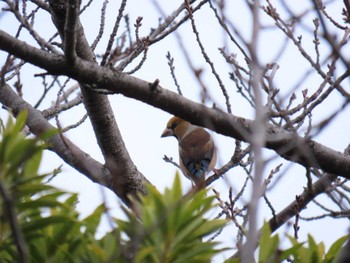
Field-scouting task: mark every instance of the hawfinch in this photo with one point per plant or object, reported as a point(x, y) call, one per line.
point(196, 149)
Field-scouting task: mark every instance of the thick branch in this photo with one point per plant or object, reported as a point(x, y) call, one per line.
point(288, 145)
point(70, 30)
point(319, 187)
point(126, 179)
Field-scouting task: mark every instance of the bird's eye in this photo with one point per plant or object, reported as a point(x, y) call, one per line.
point(173, 125)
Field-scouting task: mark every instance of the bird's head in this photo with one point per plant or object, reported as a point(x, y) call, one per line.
point(176, 127)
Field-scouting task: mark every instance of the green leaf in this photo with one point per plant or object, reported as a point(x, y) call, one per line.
point(112, 244)
point(39, 203)
point(335, 249)
point(63, 233)
point(176, 192)
point(37, 250)
point(268, 245)
point(145, 253)
point(31, 166)
point(202, 252)
point(44, 222)
point(92, 221)
point(15, 127)
point(285, 254)
point(210, 227)
point(316, 250)
point(72, 200)
point(32, 187)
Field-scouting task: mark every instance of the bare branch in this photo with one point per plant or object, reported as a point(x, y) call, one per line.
point(24, 22)
point(102, 25)
point(172, 71)
point(318, 187)
point(70, 30)
point(207, 59)
point(288, 145)
point(114, 33)
point(127, 180)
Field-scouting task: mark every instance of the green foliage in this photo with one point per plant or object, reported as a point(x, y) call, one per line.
point(172, 227)
point(308, 252)
point(45, 216)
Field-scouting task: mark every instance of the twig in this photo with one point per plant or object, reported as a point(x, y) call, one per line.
point(170, 160)
point(56, 109)
point(144, 45)
point(333, 214)
point(207, 59)
point(114, 33)
point(309, 179)
point(102, 25)
point(296, 226)
point(85, 6)
point(24, 22)
point(224, 26)
point(172, 71)
point(319, 187)
point(317, 41)
point(73, 126)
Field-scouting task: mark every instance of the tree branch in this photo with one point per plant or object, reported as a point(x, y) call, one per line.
point(70, 30)
point(126, 179)
point(298, 205)
point(288, 145)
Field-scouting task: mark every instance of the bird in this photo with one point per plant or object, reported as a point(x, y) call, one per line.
point(197, 151)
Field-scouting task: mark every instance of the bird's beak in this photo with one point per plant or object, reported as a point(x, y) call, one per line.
point(167, 132)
